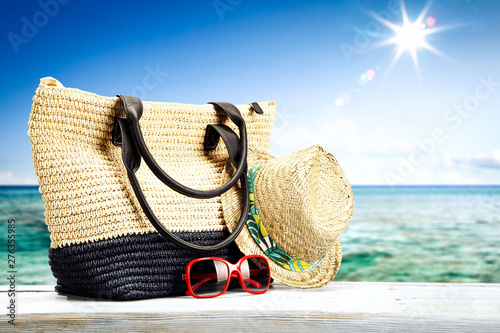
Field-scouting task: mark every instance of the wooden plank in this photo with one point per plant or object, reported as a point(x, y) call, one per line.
point(340, 306)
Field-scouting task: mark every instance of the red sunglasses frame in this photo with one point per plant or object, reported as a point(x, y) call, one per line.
point(234, 271)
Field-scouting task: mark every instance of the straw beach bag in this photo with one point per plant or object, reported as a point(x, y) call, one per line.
point(117, 230)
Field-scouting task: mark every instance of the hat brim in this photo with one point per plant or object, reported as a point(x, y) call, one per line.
point(318, 276)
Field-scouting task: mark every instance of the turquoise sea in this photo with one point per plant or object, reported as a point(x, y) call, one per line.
point(414, 233)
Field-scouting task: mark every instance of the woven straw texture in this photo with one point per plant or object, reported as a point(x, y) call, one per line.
point(84, 183)
point(305, 202)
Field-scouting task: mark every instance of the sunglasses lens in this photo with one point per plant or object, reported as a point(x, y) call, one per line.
point(208, 277)
point(255, 273)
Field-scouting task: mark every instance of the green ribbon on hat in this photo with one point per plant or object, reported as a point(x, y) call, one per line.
point(262, 238)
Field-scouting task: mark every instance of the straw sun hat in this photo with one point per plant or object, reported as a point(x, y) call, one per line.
point(300, 203)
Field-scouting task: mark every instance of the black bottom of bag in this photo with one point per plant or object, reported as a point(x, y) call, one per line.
point(131, 267)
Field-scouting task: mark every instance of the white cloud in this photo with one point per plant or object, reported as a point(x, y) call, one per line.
point(446, 170)
point(5, 177)
point(336, 132)
point(485, 160)
point(457, 178)
point(9, 178)
point(368, 154)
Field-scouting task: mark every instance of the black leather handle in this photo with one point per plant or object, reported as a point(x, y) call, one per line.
point(133, 111)
point(132, 160)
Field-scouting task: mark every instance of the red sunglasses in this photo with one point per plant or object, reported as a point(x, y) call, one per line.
point(211, 276)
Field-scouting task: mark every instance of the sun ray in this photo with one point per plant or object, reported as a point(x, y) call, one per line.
point(415, 61)
point(422, 14)
point(406, 21)
point(385, 22)
point(395, 59)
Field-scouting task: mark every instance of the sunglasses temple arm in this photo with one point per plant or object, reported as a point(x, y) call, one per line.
point(203, 275)
point(253, 283)
point(196, 286)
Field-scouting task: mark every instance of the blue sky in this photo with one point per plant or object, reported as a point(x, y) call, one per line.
point(437, 125)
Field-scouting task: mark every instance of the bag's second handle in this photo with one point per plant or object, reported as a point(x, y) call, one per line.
point(131, 156)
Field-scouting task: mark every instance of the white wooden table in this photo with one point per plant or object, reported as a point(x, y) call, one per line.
point(338, 307)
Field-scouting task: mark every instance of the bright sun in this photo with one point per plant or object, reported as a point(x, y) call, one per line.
point(410, 36)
